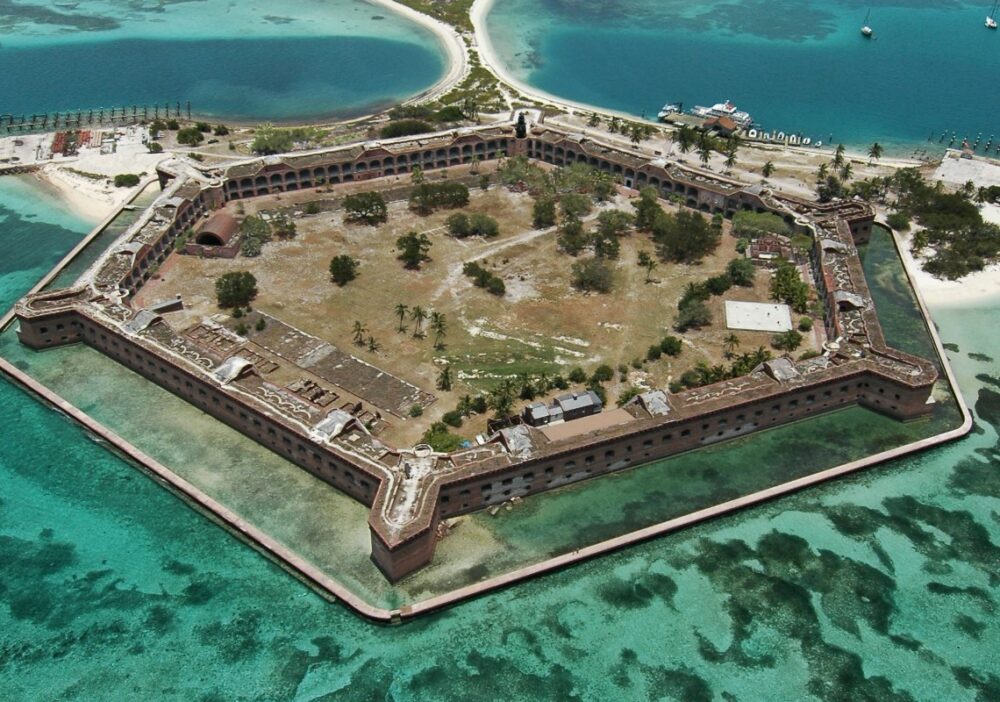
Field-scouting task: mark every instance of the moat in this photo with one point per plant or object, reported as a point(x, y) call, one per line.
point(480, 546)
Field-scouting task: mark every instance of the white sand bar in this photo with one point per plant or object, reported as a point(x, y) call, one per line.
point(758, 316)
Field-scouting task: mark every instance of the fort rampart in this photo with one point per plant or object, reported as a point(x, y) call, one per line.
point(410, 490)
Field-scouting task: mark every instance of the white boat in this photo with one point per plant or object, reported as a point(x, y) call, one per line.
point(669, 109)
point(991, 22)
point(866, 28)
point(724, 109)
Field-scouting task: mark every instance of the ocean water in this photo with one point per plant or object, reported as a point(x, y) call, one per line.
point(249, 60)
point(795, 65)
point(881, 586)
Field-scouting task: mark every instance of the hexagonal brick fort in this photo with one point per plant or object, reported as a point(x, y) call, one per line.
point(410, 490)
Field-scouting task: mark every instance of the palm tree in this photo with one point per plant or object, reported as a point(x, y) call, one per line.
point(846, 171)
point(418, 316)
point(440, 329)
point(704, 152)
point(685, 138)
point(730, 157)
point(875, 152)
point(822, 172)
point(838, 156)
point(501, 399)
point(729, 345)
point(648, 262)
point(373, 345)
point(594, 120)
point(401, 311)
point(359, 333)
point(768, 169)
point(444, 379)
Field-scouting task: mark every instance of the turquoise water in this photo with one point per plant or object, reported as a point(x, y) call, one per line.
point(882, 586)
point(251, 61)
point(796, 65)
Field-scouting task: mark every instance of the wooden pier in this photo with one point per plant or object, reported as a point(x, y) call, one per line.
point(99, 117)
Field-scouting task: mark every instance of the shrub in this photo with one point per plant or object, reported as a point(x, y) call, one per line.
point(592, 275)
point(898, 221)
point(742, 272)
point(221, 130)
point(235, 289)
point(482, 278)
point(203, 126)
point(190, 136)
point(575, 205)
point(787, 341)
point(453, 418)
point(628, 393)
point(405, 127)
point(440, 439)
point(173, 125)
point(155, 148)
point(126, 180)
point(572, 239)
point(427, 197)
point(576, 375)
point(261, 324)
point(671, 346)
point(693, 315)
point(718, 284)
point(483, 225)
point(241, 329)
point(458, 225)
point(416, 411)
point(806, 355)
point(654, 352)
point(805, 324)
point(343, 269)
point(312, 208)
point(543, 213)
point(602, 374)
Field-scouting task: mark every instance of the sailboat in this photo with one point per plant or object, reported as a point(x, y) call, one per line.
point(991, 22)
point(866, 29)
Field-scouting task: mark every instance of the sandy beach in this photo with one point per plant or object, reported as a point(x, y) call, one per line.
point(940, 292)
point(451, 42)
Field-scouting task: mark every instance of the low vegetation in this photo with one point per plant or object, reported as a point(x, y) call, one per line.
point(482, 278)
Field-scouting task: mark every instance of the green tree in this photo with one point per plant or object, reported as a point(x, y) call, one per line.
point(875, 152)
point(501, 399)
point(572, 239)
point(444, 378)
point(685, 138)
point(576, 375)
point(235, 289)
point(458, 225)
point(838, 156)
point(401, 312)
point(729, 345)
point(359, 331)
point(592, 275)
point(413, 249)
point(671, 345)
point(787, 341)
point(575, 205)
point(648, 262)
point(685, 237)
point(440, 328)
point(787, 286)
point(343, 269)
point(768, 169)
point(417, 175)
point(418, 315)
point(647, 208)
point(742, 272)
point(367, 208)
point(543, 213)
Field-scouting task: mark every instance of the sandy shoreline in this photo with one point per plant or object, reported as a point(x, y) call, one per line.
point(451, 42)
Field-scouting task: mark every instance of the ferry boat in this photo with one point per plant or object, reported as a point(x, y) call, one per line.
point(669, 109)
point(866, 28)
point(991, 23)
point(724, 109)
